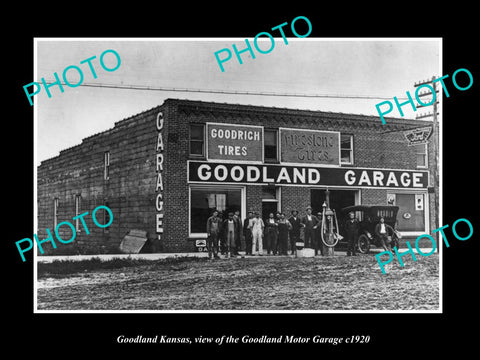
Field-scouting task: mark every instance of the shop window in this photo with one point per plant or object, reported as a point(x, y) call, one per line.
point(346, 149)
point(270, 145)
point(106, 164)
point(203, 201)
point(421, 155)
point(78, 207)
point(197, 140)
point(411, 213)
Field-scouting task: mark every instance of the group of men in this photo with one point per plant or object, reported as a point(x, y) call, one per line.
point(273, 234)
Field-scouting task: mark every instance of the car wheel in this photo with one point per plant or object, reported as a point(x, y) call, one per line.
point(363, 244)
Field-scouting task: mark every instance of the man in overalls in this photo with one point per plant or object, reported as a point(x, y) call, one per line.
point(213, 230)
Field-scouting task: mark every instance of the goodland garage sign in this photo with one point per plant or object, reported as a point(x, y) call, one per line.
point(209, 172)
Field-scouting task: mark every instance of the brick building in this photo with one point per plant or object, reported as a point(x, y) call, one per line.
point(164, 170)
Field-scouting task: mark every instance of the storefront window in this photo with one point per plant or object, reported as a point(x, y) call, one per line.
point(411, 213)
point(197, 139)
point(270, 145)
point(346, 148)
point(203, 201)
point(421, 153)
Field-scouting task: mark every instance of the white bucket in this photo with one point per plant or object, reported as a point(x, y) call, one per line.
point(306, 252)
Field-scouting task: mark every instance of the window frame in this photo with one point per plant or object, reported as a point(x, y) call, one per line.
point(106, 165)
point(277, 145)
point(425, 154)
point(351, 150)
point(55, 212)
point(215, 187)
point(426, 210)
point(197, 156)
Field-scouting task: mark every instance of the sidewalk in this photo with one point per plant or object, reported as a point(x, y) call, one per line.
point(157, 256)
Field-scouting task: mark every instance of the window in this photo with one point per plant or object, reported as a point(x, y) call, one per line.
point(421, 155)
point(55, 213)
point(197, 140)
point(270, 200)
point(106, 163)
point(411, 215)
point(204, 200)
point(270, 145)
point(78, 206)
point(346, 149)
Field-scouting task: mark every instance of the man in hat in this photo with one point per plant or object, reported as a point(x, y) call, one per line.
point(351, 233)
point(247, 233)
point(295, 230)
point(310, 223)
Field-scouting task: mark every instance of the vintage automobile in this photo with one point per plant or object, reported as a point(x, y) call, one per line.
point(368, 217)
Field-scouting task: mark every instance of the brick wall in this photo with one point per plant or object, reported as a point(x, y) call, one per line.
point(79, 170)
point(130, 192)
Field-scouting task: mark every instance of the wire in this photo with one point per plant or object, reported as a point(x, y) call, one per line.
point(231, 92)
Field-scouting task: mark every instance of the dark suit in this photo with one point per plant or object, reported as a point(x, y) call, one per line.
point(238, 235)
point(295, 231)
point(351, 234)
point(247, 234)
point(310, 231)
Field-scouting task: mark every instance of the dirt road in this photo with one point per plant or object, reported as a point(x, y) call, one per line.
point(256, 283)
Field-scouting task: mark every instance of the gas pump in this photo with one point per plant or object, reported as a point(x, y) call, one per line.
point(329, 218)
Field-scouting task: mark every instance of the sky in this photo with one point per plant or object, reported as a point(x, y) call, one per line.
point(365, 67)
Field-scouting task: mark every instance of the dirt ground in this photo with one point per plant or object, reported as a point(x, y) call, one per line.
point(253, 283)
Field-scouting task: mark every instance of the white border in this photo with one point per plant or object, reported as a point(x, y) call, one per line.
point(373, 39)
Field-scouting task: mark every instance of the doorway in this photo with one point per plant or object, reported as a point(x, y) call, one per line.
point(270, 200)
point(267, 208)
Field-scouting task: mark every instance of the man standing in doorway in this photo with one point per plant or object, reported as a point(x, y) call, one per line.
point(310, 222)
point(295, 231)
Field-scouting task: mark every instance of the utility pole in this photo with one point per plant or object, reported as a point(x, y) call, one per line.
point(435, 143)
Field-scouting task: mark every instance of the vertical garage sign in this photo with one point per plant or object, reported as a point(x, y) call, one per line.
point(159, 183)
